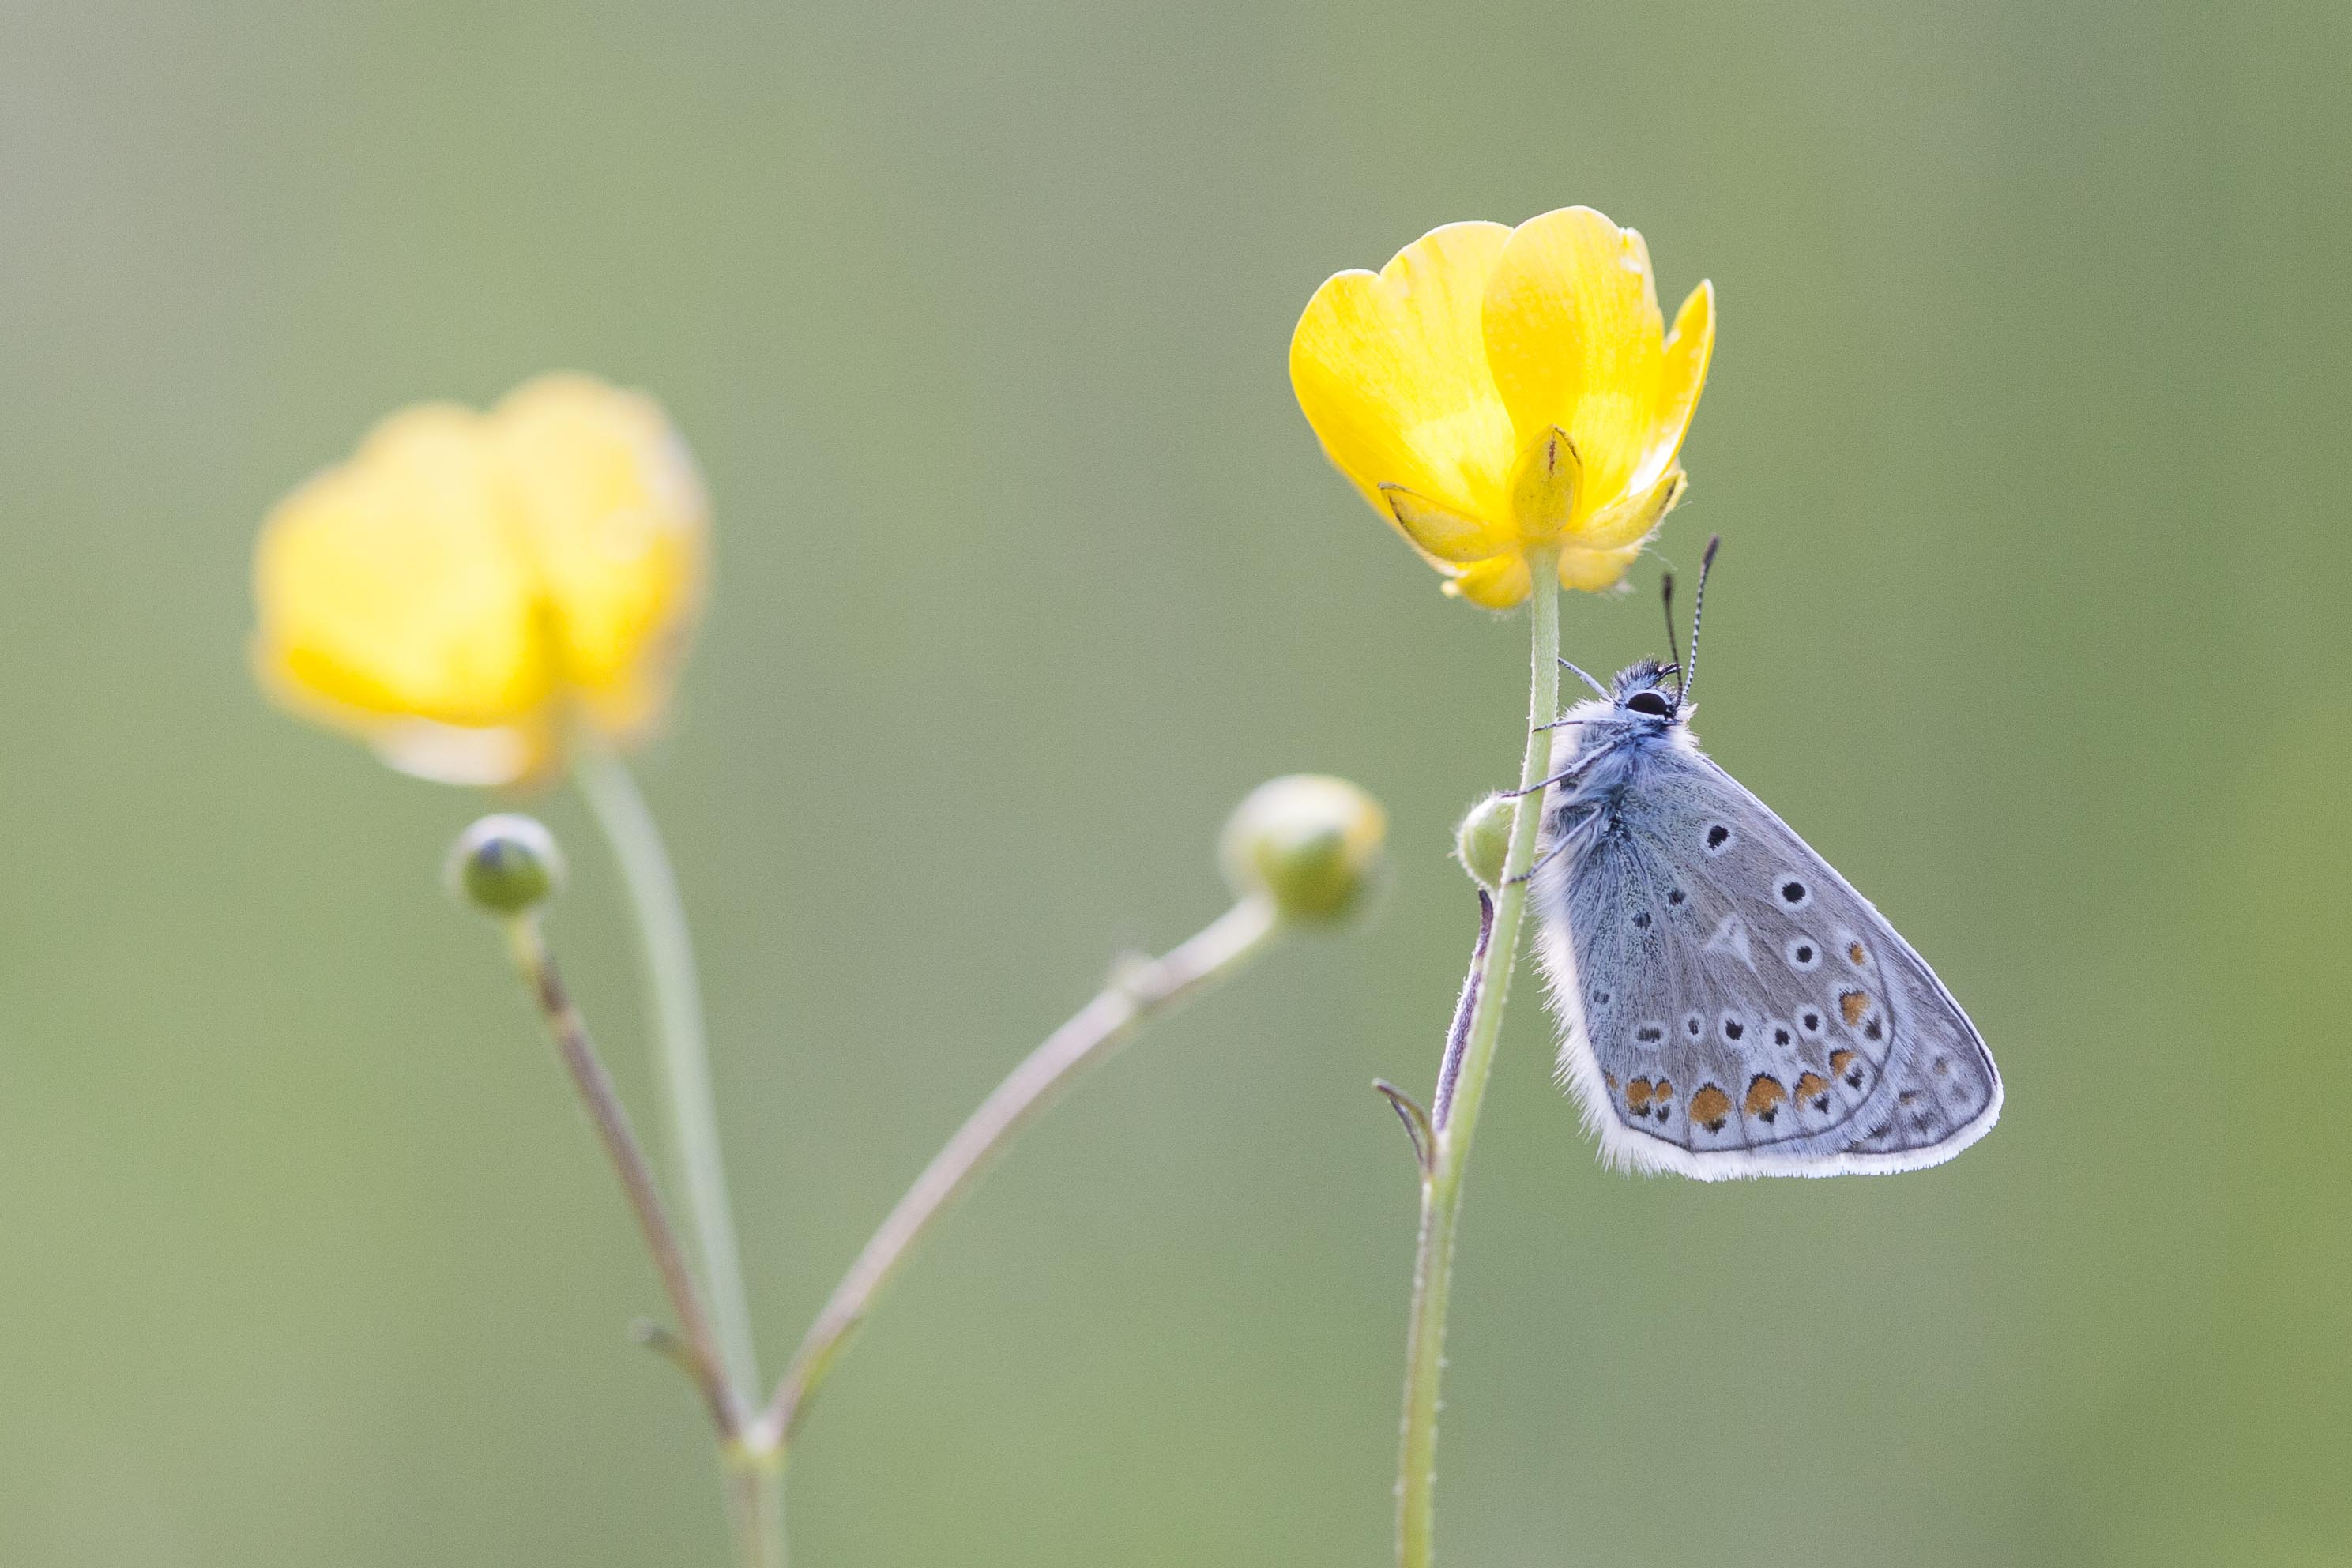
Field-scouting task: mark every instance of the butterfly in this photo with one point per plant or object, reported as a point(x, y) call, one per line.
point(1730, 1006)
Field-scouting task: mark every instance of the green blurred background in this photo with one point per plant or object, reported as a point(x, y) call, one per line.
point(2024, 435)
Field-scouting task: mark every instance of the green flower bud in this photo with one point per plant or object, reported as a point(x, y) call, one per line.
point(505, 864)
point(1484, 839)
point(1310, 843)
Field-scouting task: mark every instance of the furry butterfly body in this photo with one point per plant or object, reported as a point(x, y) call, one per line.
point(1730, 1006)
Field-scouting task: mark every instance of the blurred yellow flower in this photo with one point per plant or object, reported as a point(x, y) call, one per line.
point(1494, 389)
point(469, 588)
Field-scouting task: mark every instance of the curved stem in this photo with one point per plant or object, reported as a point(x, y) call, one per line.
point(1132, 998)
point(1441, 1188)
point(681, 1056)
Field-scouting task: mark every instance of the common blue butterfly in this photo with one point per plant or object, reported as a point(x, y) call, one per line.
point(1730, 1006)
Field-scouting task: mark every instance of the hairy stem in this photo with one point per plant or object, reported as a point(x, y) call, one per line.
point(1463, 1091)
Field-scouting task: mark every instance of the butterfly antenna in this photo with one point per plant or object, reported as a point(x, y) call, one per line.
point(1667, 587)
point(1699, 610)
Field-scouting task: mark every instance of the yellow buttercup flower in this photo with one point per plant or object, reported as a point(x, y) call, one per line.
point(467, 588)
point(1493, 389)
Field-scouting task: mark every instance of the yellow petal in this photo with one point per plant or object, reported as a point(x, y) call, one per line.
point(1497, 584)
point(1595, 571)
point(392, 588)
point(1635, 518)
point(1573, 338)
point(1545, 486)
point(1390, 371)
point(1438, 533)
point(614, 512)
point(1682, 376)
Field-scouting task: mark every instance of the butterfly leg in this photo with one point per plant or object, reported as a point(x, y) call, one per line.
point(1556, 778)
point(1553, 853)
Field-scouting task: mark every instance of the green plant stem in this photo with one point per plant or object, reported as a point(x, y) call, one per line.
point(755, 1502)
point(1441, 1188)
point(1134, 997)
point(681, 1055)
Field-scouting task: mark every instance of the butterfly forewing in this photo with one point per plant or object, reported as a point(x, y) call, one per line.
point(1730, 1005)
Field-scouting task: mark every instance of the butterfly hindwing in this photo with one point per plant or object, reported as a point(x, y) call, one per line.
point(1731, 1005)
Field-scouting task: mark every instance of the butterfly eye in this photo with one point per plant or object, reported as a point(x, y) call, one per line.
point(1649, 703)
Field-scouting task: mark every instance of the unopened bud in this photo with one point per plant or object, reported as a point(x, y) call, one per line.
point(1483, 842)
point(505, 864)
point(1311, 844)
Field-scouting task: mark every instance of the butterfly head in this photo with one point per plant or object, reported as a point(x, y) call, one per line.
point(1645, 690)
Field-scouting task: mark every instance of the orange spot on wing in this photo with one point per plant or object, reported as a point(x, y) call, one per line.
point(1764, 1097)
point(1854, 1004)
point(1710, 1108)
point(1856, 953)
point(1637, 1096)
point(1840, 1061)
point(1812, 1086)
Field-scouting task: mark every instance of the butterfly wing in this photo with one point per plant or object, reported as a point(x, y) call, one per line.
point(1730, 1006)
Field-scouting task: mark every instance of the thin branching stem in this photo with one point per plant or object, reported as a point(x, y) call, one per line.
point(681, 1060)
point(750, 1462)
point(1137, 995)
point(699, 1348)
